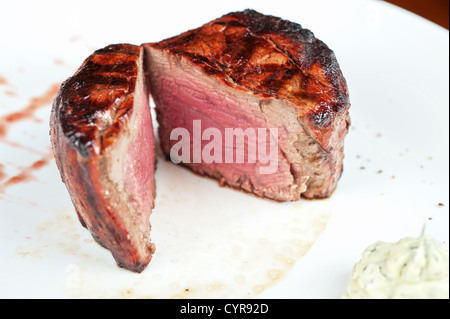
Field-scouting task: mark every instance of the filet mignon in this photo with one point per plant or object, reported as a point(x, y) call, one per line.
point(249, 70)
point(245, 71)
point(102, 137)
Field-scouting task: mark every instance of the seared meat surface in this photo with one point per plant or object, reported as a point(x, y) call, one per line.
point(248, 70)
point(102, 137)
point(269, 79)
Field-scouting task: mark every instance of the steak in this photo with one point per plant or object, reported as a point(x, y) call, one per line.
point(247, 70)
point(102, 137)
point(265, 88)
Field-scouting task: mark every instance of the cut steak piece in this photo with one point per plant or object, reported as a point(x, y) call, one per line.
point(102, 137)
point(247, 70)
point(246, 73)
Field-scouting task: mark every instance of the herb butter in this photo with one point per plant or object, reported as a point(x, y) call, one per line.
point(413, 268)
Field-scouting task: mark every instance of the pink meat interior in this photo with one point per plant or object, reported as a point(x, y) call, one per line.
point(182, 98)
point(140, 159)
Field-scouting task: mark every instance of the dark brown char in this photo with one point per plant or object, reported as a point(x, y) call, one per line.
point(300, 68)
point(252, 53)
point(92, 111)
point(100, 86)
point(280, 63)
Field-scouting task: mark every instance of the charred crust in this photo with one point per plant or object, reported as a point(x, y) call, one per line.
point(91, 104)
point(270, 57)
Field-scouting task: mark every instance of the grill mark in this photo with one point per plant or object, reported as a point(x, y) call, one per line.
point(209, 65)
point(247, 51)
point(92, 101)
point(231, 23)
point(278, 79)
point(124, 68)
point(318, 89)
point(284, 52)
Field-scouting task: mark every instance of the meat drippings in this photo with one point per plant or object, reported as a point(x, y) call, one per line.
point(226, 251)
point(2, 173)
point(29, 111)
point(25, 173)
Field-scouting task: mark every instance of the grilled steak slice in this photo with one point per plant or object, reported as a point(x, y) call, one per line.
point(102, 137)
point(248, 70)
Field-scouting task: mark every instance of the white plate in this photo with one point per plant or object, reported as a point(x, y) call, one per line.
point(215, 242)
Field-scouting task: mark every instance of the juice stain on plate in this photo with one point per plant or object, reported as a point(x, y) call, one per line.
point(212, 242)
point(29, 111)
point(3, 81)
point(25, 175)
point(2, 172)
